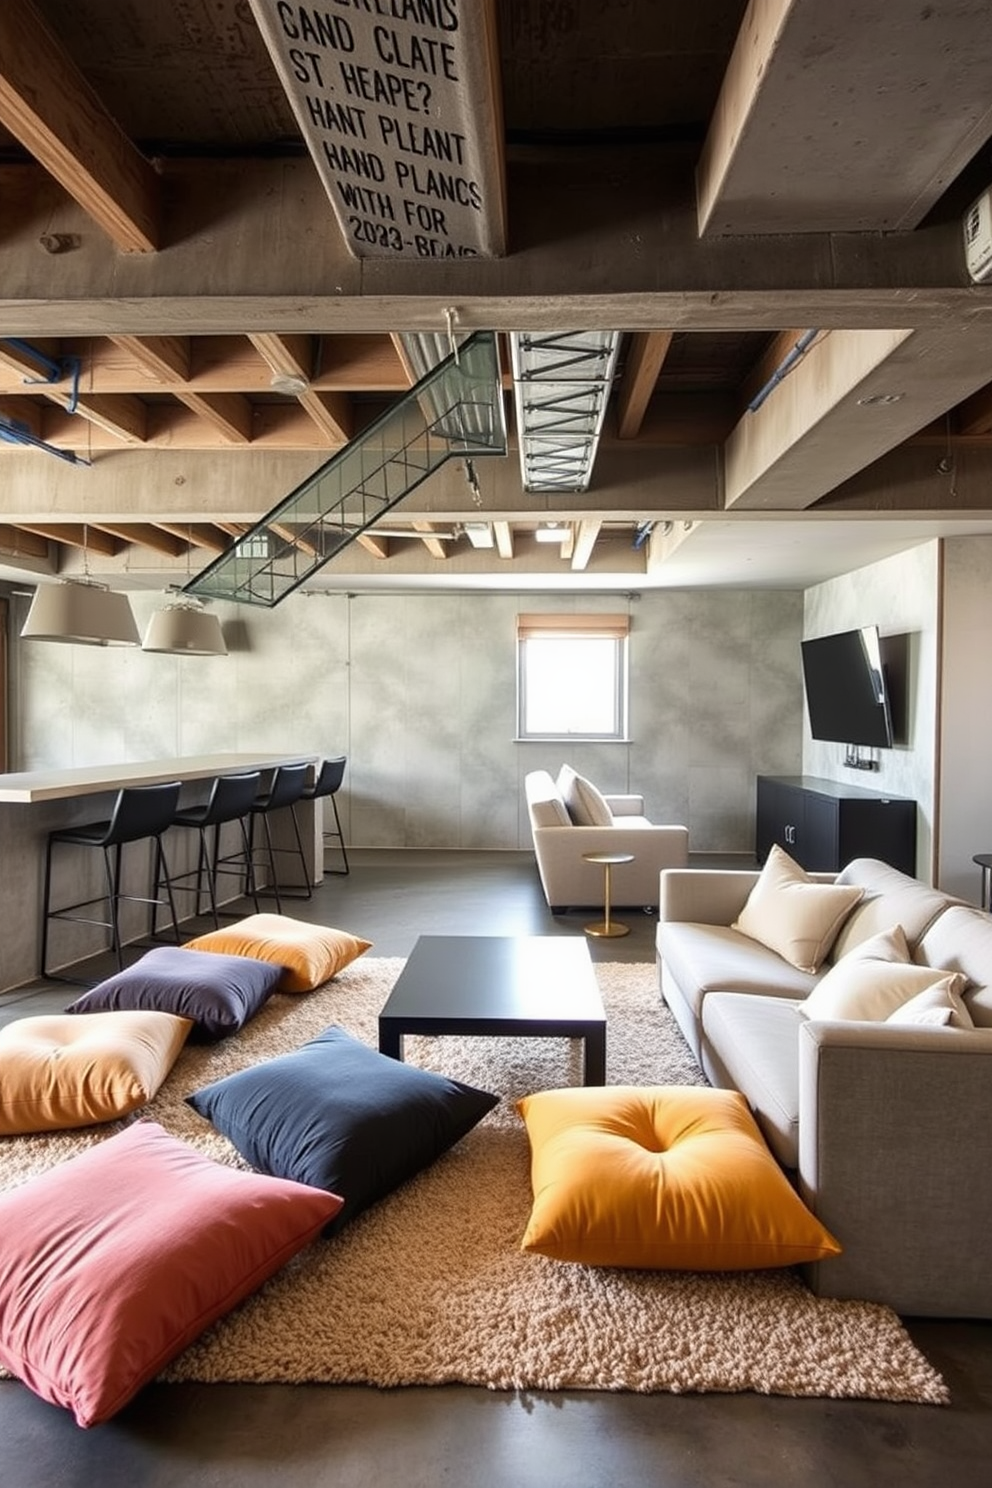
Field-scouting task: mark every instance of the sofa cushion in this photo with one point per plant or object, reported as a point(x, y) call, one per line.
point(940, 1006)
point(864, 990)
point(791, 913)
point(672, 1177)
point(755, 1044)
point(961, 940)
point(714, 958)
point(585, 803)
point(889, 898)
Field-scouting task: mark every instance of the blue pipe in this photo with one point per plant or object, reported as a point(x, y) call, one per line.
point(67, 367)
point(782, 370)
point(12, 431)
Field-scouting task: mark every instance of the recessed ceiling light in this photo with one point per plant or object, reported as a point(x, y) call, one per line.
point(551, 534)
point(873, 399)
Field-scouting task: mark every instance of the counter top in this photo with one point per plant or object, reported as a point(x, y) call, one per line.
point(57, 785)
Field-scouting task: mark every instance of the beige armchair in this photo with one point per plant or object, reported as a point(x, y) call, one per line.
point(569, 817)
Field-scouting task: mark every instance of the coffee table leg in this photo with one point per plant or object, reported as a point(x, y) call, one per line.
point(390, 1041)
point(594, 1058)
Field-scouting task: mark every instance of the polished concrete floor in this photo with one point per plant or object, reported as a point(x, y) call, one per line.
point(218, 1436)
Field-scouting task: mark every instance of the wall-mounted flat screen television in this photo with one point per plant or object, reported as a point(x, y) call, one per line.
point(846, 693)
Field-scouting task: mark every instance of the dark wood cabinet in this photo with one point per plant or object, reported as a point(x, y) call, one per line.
point(823, 824)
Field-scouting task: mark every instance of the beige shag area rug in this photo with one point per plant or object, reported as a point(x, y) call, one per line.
point(430, 1286)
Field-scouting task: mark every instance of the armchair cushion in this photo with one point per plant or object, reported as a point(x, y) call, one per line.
point(585, 804)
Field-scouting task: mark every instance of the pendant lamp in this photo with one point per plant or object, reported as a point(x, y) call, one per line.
point(186, 629)
point(82, 612)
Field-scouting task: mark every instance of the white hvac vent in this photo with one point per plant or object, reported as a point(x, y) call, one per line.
point(978, 238)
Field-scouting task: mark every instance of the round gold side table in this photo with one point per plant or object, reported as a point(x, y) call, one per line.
point(607, 927)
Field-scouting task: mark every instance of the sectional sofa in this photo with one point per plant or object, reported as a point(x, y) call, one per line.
point(884, 1126)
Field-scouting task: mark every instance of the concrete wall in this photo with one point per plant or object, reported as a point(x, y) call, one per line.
point(901, 596)
point(964, 778)
point(419, 690)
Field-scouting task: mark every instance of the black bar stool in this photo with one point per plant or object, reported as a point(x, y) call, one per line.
point(326, 786)
point(140, 813)
point(285, 789)
point(230, 800)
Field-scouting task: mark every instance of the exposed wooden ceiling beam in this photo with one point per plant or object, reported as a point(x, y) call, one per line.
point(199, 534)
point(503, 533)
point(332, 414)
point(648, 350)
point(409, 370)
point(229, 413)
point(27, 361)
point(377, 546)
point(585, 541)
point(434, 545)
point(145, 535)
point(48, 106)
point(83, 536)
point(23, 411)
point(121, 414)
point(18, 542)
point(288, 356)
point(165, 358)
point(290, 535)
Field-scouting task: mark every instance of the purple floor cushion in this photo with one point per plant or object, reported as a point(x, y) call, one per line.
point(219, 993)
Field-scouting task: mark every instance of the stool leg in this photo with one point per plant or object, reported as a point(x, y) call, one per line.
point(272, 862)
point(168, 888)
point(114, 888)
point(340, 836)
point(251, 886)
point(303, 856)
point(203, 859)
point(46, 904)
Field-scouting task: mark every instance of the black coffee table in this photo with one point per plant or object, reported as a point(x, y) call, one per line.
point(536, 986)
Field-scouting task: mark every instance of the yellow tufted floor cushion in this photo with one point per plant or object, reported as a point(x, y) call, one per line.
point(64, 1070)
point(662, 1177)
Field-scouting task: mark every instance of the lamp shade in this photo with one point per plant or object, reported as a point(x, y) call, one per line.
point(83, 613)
point(185, 629)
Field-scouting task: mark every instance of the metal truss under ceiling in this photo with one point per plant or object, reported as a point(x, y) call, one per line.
point(561, 386)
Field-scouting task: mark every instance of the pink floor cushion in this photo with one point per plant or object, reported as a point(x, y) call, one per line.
point(113, 1262)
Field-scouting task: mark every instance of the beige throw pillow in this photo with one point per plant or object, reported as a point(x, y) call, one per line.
point(869, 991)
point(586, 806)
point(939, 1006)
point(887, 945)
point(791, 914)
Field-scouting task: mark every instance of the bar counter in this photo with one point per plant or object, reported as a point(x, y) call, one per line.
point(36, 802)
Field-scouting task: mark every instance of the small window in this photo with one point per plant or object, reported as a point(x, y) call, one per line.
point(572, 676)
